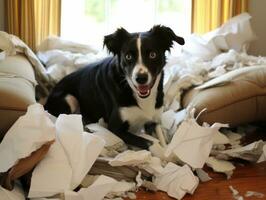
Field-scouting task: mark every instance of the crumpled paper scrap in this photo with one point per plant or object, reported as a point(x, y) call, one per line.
point(16, 194)
point(24, 166)
point(190, 134)
point(28, 134)
point(255, 194)
point(263, 155)
point(103, 186)
point(112, 142)
point(52, 175)
point(81, 148)
point(250, 152)
point(221, 166)
point(176, 180)
point(154, 166)
point(235, 193)
point(203, 176)
point(171, 118)
point(68, 160)
point(130, 157)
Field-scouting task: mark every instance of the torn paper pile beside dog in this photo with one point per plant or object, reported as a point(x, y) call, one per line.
point(190, 134)
point(102, 187)
point(69, 158)
point(27, 134)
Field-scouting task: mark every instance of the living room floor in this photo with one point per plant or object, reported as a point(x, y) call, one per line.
point(251, 177)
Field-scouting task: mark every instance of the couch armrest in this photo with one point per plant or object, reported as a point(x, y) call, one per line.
point(241, 100)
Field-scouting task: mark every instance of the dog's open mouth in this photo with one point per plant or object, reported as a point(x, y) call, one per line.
point(143, 90)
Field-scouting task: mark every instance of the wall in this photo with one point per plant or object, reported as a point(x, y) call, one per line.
point(258, 23)
point(2, 15)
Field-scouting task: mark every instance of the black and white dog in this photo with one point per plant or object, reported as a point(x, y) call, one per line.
point(126, 90)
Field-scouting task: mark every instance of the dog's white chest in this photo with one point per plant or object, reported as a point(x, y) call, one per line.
point(137, 116)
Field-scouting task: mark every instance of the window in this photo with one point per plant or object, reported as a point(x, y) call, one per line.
point(87, 21)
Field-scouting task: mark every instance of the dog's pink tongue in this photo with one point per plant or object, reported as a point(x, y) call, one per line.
point(143, 89)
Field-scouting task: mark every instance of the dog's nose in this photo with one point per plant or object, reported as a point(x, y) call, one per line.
point(141, 78)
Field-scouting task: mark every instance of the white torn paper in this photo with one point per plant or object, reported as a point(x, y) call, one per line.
point(52, 175)
point(167, 119)
point(112, 142)
point(28, 134)
point(130, 157)
point(220, 138)
point(176, 180)
point(121, 188)
point(104, 186)
point(203, 176)
point(235, 193)
point(255, 194)
point(16, 194)
point(251, 152)
point(263, 155)
point(97, 191)
point(81, 148)
point(139, 180)
point(160, 135)
point(190, 134)
point(69, 159)
point(221, 166)
point(154, 166)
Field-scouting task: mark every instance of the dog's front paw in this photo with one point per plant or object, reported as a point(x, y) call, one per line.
point(144, 144)
point(150, 127)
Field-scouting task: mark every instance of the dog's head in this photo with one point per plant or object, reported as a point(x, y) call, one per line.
point(142, 55)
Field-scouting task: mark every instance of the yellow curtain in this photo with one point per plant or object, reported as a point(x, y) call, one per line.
point(210, 14)
point(33, 20)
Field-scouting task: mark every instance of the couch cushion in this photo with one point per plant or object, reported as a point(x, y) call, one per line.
point(17, 89)
point(16, 93)
point(240, 100)
point(18, 65)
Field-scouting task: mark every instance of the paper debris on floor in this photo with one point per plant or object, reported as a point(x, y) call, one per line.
point(16, 194)
point(263, 155)
point(176, 180)
point(52, 175)
point(28, 134)
point(254, 194)
point(190, 134)
point(130, 157)
point(153, 166)
point(250, 152)
point(235, 193)
point(73, 153)
point(203, 176)
point(112, 142)
point(81, 148)
point(103, 186)
point(221, 166)
point(220, 138)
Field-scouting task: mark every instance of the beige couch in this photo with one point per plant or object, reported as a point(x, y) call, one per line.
point(17, 89)
point(242, 100)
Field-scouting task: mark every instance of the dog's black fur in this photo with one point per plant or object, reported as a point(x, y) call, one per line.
point(104, 88)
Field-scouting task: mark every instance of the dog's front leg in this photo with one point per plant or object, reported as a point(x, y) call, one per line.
point(120, 128)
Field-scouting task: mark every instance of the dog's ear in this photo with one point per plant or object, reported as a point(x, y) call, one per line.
point(114, 41)
point(166, 36)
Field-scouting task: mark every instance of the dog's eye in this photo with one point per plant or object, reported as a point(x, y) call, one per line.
point(128, 56)
point(152, 55)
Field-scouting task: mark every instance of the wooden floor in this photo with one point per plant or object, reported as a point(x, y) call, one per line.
point(245, 178)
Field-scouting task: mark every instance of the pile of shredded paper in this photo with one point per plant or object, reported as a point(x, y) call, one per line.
point(64, 160)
